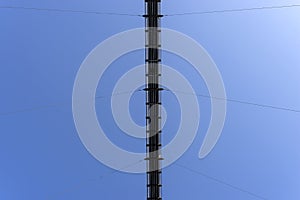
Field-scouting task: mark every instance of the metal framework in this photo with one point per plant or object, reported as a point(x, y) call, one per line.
point(153, 98)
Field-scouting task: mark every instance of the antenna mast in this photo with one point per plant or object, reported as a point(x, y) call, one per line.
point(153, 98)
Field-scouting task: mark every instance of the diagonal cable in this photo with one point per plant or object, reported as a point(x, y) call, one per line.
point(238, 101)
point(220, 181)
point(80, 185)
point(68, 11)
point(37, 108)
point(233, 10)
point(128, 92)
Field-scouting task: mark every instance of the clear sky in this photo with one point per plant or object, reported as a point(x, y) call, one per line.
point(257, 53)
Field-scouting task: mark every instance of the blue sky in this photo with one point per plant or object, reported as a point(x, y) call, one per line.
point(257, 53)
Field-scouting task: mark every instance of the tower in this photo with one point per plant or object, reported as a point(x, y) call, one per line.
point(153, 98)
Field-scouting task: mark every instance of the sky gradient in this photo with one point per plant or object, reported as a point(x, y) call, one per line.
point(257, 53)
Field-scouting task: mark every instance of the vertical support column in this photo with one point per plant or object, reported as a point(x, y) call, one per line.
point(153, 99)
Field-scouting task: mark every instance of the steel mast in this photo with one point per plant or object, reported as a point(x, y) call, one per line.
point(153, 98)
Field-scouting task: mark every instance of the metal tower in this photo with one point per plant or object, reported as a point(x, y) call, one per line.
point(153, 98)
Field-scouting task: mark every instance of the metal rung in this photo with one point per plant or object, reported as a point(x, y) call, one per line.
point(152, 15)
point(157, 117)
point(152, 0)
point(156, 145)
point(158, 30)
point(159, 185)
point(153, 74)
point(147, 89)
point(158, 60)
point(154, 158)
point(158, 171)
point(151, 104)
point(154, 131)
point(148, 60)
point(151, 46)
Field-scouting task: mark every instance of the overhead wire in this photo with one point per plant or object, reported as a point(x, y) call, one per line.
point(214, 179)
point(232, 10)
point(140, 15)
point(220, 181)
point(80, 185)
point(101, 177)
point(36, 108)
point(139, 90)
point(69, 11)
point(237, 101)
